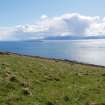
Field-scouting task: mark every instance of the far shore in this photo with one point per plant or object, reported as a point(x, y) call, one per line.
point(55, 59)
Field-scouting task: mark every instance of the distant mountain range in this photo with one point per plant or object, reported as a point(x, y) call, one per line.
point(74, 37)
point(71, 37)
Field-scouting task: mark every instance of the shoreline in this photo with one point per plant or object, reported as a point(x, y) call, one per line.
point(55, 59)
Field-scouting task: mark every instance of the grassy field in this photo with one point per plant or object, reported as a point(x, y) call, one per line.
point(37, 81)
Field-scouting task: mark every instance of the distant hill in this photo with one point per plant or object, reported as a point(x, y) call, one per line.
point(74, 37)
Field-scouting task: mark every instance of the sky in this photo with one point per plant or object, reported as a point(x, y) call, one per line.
point(35, 19)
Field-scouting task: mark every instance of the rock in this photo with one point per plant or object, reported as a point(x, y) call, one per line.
point(8, 72)
point(103, 74)
point(66, 98)
point(57, 79)
point(50, 103)
point(5, 64)
point(13, 78)
point(26, 91)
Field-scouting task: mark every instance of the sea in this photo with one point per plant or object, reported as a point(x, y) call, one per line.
point(90, 51)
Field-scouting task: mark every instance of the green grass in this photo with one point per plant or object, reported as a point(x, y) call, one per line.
point(37, 81)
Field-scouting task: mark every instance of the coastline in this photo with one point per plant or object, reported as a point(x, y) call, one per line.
point(55, 59)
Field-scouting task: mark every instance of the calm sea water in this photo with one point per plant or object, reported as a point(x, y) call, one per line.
point(87, 51)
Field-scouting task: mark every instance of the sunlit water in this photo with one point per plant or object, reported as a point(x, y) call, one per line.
point(87, 51)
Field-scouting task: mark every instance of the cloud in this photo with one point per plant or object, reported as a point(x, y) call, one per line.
point(44, 16)
point(67, 24)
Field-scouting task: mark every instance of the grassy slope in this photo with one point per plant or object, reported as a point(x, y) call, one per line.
point(36, 81)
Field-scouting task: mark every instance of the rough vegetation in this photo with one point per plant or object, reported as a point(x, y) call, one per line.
point(37, 81)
